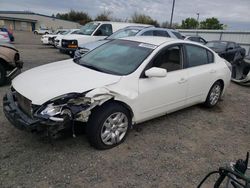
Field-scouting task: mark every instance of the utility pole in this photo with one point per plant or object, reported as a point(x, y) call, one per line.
point(171, 20)
point(198, 16)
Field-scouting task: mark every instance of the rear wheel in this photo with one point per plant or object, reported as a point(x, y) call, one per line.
point(108, 126)
point(214, 95)
point(2, 75)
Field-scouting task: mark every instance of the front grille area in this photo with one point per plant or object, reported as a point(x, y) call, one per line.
point(69, 43)
point(24, 104)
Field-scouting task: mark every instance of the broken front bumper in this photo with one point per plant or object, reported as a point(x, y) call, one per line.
point(23, 121)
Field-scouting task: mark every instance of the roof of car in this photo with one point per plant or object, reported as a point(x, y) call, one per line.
point(157, 41)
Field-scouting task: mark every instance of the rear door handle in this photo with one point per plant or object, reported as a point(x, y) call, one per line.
point(213, 71)
point(182, 80)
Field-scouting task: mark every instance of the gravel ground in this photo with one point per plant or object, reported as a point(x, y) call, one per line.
point(176, 150)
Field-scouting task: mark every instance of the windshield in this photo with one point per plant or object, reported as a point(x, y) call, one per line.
point(65, 32)
point(124, 33)
point(119, 57)
point(88, 28)
point(217, 45)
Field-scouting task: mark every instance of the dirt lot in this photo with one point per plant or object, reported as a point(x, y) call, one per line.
point(176, 150)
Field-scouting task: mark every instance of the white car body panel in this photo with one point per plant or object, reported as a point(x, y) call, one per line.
point(146, 97)
point(57, 79)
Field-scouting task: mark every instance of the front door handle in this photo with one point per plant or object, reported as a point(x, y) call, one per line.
point(182, 80)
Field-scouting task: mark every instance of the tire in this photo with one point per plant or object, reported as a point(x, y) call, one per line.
point(214, 95)
point(46, 33)
point(36, 33)
point(99, 132)
point(2, 75)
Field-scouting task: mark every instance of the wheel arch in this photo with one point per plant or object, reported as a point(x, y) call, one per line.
point(222, 83)
point(123, 104)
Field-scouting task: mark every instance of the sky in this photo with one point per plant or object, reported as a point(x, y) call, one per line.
point(234, 13)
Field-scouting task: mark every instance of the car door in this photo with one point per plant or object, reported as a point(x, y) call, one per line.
point(201, 72)
point(157, 96)
point(103, 31)
point(230, 51)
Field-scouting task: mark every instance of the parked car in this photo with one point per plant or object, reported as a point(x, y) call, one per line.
point(123, 82)
point(4, 37)
point(128, 31)
point(90, 32)
point(10, 64)
point(48, 38)
point(228, 50)
point(196, 38)
point(42, 31)
point(58, 39)
point(241, 72)
point(10, 33)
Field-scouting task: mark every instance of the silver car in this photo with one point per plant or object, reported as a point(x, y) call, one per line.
point(126, 32)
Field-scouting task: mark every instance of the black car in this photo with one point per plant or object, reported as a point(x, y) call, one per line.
point(228, 50)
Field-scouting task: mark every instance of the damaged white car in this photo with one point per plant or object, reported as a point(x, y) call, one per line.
point(118, 84)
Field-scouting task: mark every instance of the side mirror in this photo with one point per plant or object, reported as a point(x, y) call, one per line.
point(156, 72)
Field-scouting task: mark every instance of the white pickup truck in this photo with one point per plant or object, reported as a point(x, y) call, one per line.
point(42, 31)
point(90, 32)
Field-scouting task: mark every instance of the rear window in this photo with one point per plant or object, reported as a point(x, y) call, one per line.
point(148, 33)
point(196, 55)
point(160, 33)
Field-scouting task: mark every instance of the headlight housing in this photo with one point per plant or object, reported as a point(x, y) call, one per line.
point(73, 103)
point(52, 110)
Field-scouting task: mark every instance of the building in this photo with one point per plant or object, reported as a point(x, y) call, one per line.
point(30, 21)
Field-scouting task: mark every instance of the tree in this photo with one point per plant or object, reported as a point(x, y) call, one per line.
point(144, 19)
point(80, 17)
point(211, 23)
point(104, 16)
point(189, 23)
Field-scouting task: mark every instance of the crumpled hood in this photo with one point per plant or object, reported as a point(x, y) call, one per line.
point(46, 82)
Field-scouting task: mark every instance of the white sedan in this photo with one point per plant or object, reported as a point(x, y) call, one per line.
point(121, 83)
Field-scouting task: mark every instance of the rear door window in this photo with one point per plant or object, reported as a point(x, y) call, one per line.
point(160, 33)
point(148, 33)
point(197, 56)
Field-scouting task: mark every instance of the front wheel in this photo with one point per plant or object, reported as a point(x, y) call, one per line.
point(214, 95)
point(108, 126)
